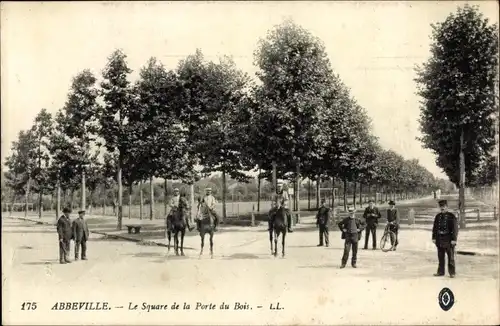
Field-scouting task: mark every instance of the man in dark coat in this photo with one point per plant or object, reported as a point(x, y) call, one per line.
point(322, 220)
point(65, 233)
point(444, 236)
point(351, 228)
point(393, 221)
point(81, 235)
point(371, 216)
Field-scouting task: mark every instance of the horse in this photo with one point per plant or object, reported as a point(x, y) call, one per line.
point(178, 226)
point(206, 225)
point(278, 228)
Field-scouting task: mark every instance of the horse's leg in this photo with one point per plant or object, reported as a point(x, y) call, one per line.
point(176, 241)
point(183, 232)
point(271, 239)
point(202, 236)
point(276, 235)
point(169, 235)
point(212, 244)
point(283, 244)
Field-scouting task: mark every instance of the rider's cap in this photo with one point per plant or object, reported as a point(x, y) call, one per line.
point(66, 210)
point(81, 212)
point(443, 202)
point(370, 201)
point(392, 202)
point(208, 189)
point(351, 209)
point(176, 189)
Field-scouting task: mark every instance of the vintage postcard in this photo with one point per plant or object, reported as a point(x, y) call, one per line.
point(241, 162)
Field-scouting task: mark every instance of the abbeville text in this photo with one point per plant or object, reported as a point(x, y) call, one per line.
point(81, 306)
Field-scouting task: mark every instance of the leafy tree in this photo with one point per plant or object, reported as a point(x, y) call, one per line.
point(80, 112)
point(41, 131)
point(115, 90)
point(457, 85)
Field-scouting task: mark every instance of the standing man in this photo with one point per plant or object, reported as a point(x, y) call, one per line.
point(65, 234)
point(444, 236)
point(371, 216)
point(351, 228)
point(280, 199)
point(322, 220)
point(210, 201)
point(393, 221)
point(81, 235)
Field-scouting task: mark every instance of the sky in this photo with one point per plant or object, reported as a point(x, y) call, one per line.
point(373, 46)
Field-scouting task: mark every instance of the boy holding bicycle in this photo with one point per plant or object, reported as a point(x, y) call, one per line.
point(393, 221)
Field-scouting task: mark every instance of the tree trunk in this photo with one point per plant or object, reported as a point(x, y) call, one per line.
point(297, 196)
point(461, 191)
point(141, 204)
point(72, 198)
point(120, 196)
point(360, 195)
point(354, 194)
point(165, 195)
point(309, 195)
point(83, 194)
point(191, 192)
point(275, 181)
point(345, 194)
point(333, 192)
point(58, 200)
point(40, 203)
point(91, 201)
point(26, 196)
point(258, 191)
point(224, 196)
point(151, 199)
point(318, 183)
point(130, 201)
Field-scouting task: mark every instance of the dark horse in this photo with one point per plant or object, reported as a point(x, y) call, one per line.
point(278, 227)
point(178, 226)
point(206, 225)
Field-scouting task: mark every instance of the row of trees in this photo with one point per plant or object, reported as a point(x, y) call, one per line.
point(298, 120)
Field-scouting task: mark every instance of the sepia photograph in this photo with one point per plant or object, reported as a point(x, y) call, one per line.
point(250, 162)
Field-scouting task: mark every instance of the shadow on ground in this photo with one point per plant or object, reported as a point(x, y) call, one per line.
point(42, 262)
point(239, 256)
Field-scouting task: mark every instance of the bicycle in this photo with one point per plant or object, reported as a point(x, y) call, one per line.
point(386, 239)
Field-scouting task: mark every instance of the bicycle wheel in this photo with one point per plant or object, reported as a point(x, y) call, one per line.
point(385, 241)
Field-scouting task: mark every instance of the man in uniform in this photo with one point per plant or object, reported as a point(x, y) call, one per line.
point(280, 199)
point(174, 206)
point(65, 233)
point(322, 219)
point(351, 228)
point(371, 216)
point(444, 236)
point(393, 221)
point(81, 235)
point(211, 202)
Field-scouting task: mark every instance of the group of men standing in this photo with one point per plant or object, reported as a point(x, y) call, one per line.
point(444, 232)
point(68, 230)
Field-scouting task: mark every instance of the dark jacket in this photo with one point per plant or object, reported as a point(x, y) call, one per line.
point(64, 228)
point(80, 230)
point(344, 224)
point(323, 216)
point(393, 216)
point(371, 215)
point(445, 229)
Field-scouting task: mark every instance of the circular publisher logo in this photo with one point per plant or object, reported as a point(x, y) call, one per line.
point(446, 299)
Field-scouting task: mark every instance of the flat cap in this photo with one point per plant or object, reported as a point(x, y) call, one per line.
point(371, 201)
point(391, 202)
point(208, 189)
point(351, 209)
point(66, 210)
point(443, 202)
point(81, 212)
point(176, 189)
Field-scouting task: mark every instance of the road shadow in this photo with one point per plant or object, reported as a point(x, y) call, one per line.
point(306, 246)
point(337, 266)
point(42, 262)
point(30, 231)
point(105, 238)
point(25, 247)
point(145, 254)
point(239, 256)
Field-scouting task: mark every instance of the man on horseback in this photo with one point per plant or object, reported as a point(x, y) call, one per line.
point(174, 204)
point(280, 199)
point(209, 201)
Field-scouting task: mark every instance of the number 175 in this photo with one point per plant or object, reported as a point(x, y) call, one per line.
point(28, 306)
